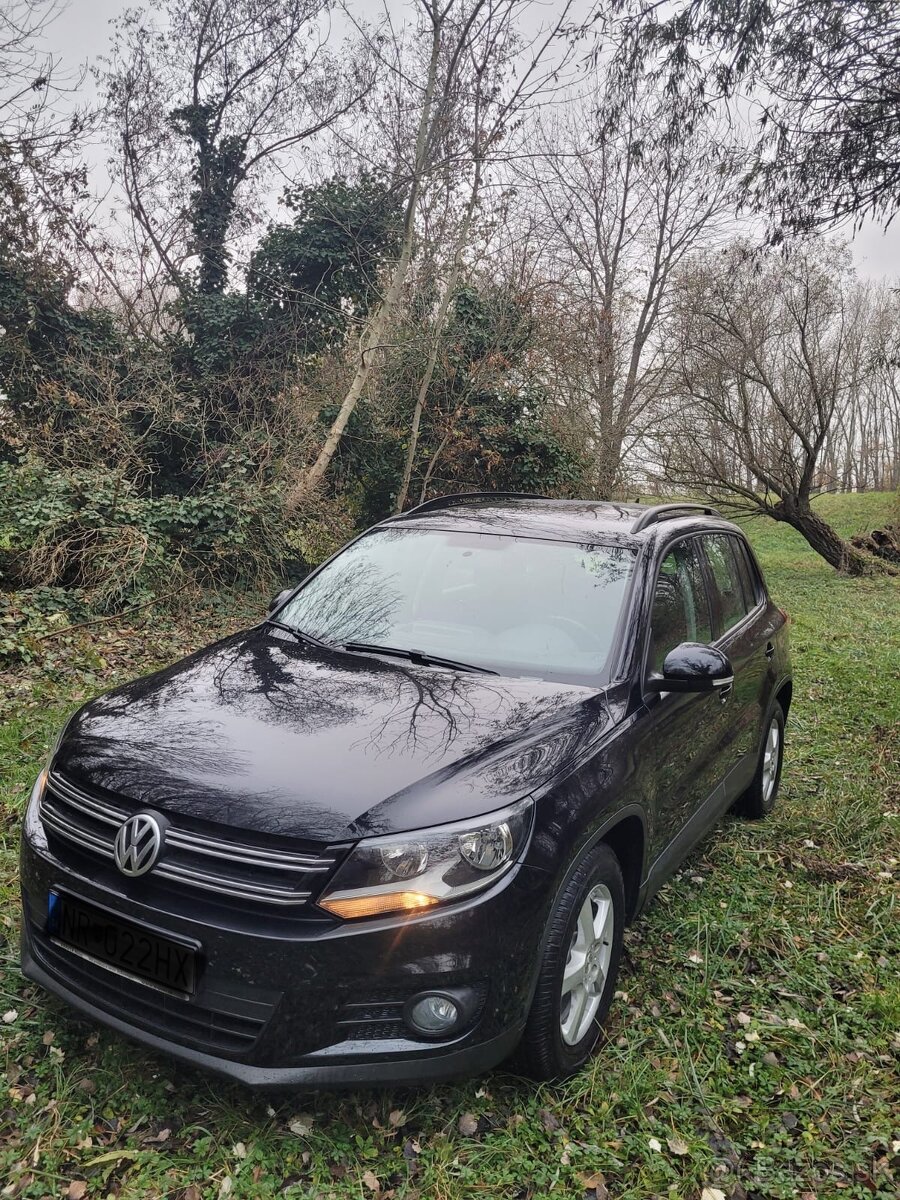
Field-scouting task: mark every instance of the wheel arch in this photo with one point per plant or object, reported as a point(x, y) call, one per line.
point(627, 840)
point(784, 695)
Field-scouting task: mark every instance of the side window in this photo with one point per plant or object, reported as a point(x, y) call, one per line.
point(723, 562)
point(680, 605)
point(749, 577)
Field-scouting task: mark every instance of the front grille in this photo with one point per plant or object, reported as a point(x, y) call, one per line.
point(224, 1023)
point(235, 869)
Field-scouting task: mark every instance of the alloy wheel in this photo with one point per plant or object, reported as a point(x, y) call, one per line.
point(770, 761)
point(587, 965)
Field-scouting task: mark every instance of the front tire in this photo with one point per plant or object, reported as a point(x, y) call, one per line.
point(580, 967)
point(759, 799)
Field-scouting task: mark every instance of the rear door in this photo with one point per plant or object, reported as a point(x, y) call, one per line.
point(741, 630)
point(677, 751)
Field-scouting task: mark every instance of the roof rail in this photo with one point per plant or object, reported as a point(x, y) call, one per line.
point(668, 512)
point(468, 498)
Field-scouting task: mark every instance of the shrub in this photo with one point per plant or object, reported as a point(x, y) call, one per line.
point(90, 530)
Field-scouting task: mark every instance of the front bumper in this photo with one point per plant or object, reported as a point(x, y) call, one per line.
point(299, 1002)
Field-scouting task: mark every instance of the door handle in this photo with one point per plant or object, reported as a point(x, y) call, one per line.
point(770, 650)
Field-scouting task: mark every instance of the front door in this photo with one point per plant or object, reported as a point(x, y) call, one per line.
point(678, 757)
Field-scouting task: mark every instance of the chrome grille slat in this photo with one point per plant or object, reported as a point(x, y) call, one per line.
point(218, 882)
point(109, 813)
point(57, 822)
point(284, 860)
point(91, 824)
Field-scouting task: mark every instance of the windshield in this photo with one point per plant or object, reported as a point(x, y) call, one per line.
point(520, 606)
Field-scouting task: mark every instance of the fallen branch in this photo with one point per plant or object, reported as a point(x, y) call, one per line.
point(112, 617)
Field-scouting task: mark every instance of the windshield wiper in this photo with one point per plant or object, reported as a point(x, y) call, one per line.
point(417, 656)
point(299, 634)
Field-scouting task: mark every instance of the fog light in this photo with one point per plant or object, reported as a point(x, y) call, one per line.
point(433, 1014)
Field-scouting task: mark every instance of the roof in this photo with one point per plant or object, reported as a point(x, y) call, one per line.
point(539, 516)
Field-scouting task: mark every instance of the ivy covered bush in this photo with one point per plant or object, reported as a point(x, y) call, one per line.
point(90, 531)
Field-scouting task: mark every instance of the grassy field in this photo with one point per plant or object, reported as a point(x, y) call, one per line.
point(753, 1051)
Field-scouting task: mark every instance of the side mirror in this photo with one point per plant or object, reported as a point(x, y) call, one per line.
point(277, 601)
point(693, 667)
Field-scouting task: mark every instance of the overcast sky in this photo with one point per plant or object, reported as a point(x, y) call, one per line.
point(81, 33)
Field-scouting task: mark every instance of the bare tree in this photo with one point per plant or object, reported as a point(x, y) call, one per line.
point(463, 96)
point(862, 451)
point(495, 98)
point(770, 349)
point(41, 174)
point(202, 101)
point(621, 199)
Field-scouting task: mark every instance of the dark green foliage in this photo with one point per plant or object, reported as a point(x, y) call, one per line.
point(44, 337)
point(219, 163)
point(93, 532)
point(225, 335)
point(488, 422)
point(306, 281)
point(521, 452)
point(368, 465)
point(323, 269)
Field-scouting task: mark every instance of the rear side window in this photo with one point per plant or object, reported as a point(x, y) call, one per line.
point(721, 554)
point(749, 575)
point(680, 604)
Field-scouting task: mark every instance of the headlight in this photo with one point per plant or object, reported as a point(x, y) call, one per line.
point(411, 871)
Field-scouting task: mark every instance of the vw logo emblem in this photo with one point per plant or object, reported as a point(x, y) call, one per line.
point(138, 844)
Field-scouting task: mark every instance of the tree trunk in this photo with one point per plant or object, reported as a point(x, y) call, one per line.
point(823, 539)
point(413, 446)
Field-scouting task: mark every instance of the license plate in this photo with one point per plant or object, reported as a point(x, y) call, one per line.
point(132, 949)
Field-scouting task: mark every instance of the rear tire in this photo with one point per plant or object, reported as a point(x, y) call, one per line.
point(759, 799)
point(580, 967)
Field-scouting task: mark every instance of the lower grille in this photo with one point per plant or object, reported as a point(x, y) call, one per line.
point(364, 1021)
point(239, 870)
point(233, 1025)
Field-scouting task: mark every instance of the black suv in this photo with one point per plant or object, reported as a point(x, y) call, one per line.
point(394, 832)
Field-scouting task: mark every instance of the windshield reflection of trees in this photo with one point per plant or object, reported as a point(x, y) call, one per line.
point(348, 604)
point(396, 581)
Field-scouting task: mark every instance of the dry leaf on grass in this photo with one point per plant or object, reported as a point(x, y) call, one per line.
point(595, 1182)
point(468, 1124)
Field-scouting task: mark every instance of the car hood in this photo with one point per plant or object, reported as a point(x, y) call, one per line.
point(261, 732)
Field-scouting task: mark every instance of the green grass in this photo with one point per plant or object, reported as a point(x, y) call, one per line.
point(754, 1048)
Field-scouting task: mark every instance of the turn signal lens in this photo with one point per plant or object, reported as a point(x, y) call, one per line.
point(380, 902)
